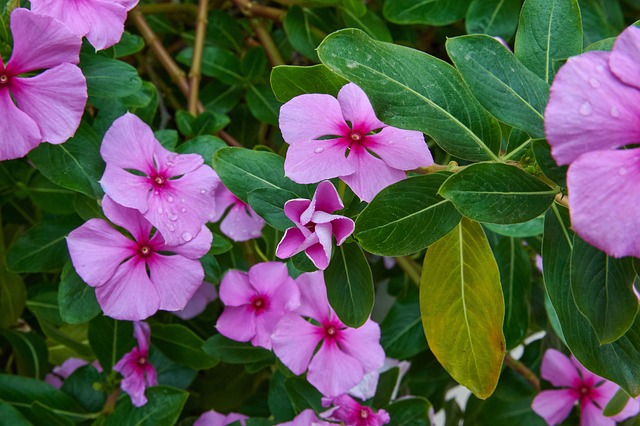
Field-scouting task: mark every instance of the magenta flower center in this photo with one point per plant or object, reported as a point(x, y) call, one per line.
point(145, 250)
point(364, 412)
point(158, 181)
point(331, 332)
point(4, 79)
point(355, 136)
point(259, 304)
point(142, 360)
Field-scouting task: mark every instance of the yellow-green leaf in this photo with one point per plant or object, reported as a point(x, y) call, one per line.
point(462, 307)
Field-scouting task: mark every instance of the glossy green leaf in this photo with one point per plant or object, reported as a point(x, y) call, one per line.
point(519, 230)
point(616, 404)
point(12, 416)
point(406, 217)
point(181, 345)
point(76, 299)
point(205, 145)
point(600, 19)
point(80, 385)
point(494, 17)
point(76, 164)
point(30, 352)
point(427, 12)
point(263, 103)
point(410, 412)
point(547, 164)
point(254, 64)
point(497, 193)
point(505, 87)
point(128, 45)
point(288, 81)
point(602, 289)
point(463, 308)
point(401, 331)
point(350, 285)
point(548, 30)
point(616, 361)
point(368, 22)
point(435, 101)
point(232, 352)
point(216, 62)
point(107, 77)
point(110, 340)
point(163, 408)
point(13, 296)
point(386, 385)
point(269, 204)
point(224, 31)
point(304, 37)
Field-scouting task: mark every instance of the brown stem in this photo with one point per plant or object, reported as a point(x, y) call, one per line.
point(434, 168)
point(249, 8)
point(149, 9)
point(196, 63)
point(110, 403)
point(273, 54)
point(522, 369)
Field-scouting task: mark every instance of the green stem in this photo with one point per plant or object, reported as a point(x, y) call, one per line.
point(150, 9)
point(412, 269)
point(275, 58)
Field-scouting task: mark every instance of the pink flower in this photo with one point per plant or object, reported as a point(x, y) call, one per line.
point(196, 305)
point(349, 411)
point(579, 385)
point(136, 277)
point(211, 418)
point(174, 192)
point(332, 137)
point(67, 368)
point(315, 225)
point(594, 107)
point(138, 372)
point(345, 354)
point(241, 222)
point(368, 385)
point(47, 107)
point(256, 301)
point(102, 21)
point(306, 418)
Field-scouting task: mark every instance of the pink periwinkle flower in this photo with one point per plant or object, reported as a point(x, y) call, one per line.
point(345, 354)
point(205, 294)
point(173, 191)
point(368, 385)
point(134, 277)
point(331, 137)
point(256, 301)
point(594, 107)
point(61, 372)
point(48, 106)
point(351, 413)
point(102, 21)
point(306, 418)
point(241, 223)
point(135, 367)
point(315, 226)
point(211, 418)
point(592, 392)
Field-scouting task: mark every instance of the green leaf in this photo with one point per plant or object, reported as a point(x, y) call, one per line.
point(515, 276)
point(216, 62)
point(80, 385)
point(427, 12)
point(463, 308)
point(600, 19)
point(30, 352)
point(128, 45)
point(244, 170)
point(616, 361)
point(368, 22)
point(386, 385)
point(505, 87)
point(518, 230)
point(110, 340)
point(76, 299)
point(269, 204)
point(109, 78)
point(602, 289)
point(435, 101)
point(547, 164)
point(232, 352)
point(254, 64)
point(356, 7)
point(13, 296)
point(163, 408)
point(181, 345)
point(410, 412)
point(494, 17)
point(548, 30)
point(288, 81)
point(263, 103)
point(406, 217)
point(401, 331)
point(302, 395)
point(12, 416)
point(497, 193)
point(302, 36)
point(224, 31)
point(616, 404)
point(75, 165)
point(279, 402)
point(350, 285)
point(43, 247)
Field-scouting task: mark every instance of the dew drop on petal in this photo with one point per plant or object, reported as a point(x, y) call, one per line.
point(390, 142)
point(615, 113)
point(585, 109)
point(160, 210)
point(170, 163)
point(173, 217)
point(600, 68)
point(203, 190)
point(187, 236)
point(318, 150)
point(156, 192)
point(171, 227)
point(170, 199)
point(183, 210)
point(594, 83)
point(622, 171)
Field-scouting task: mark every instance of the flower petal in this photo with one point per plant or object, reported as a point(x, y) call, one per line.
point(313, 161)
point(204, 294)
point(19, 134)
point(553, 405)
point(235, 289)
point(624, 57)
point(603, 189)
point(223, 199)
point(400, 149)
point(313, 296)
point(357, 109)
point(142, 333)
point(295, 208)
point(131, 135)
point(242, 223)
point(294, 341)
point(342, 228)
point(590, 109)
point(237, 323)
point(371, 174)
point(591, 415)
point(176, 279)
point(363, 344)
point(129, 219)
point(332, 371)
point(558, 369)
point(126, 188)
point(196, 248)
point(291, 243)
point(40, 42)
point(317, 254)
point(267, 277)
point(326, 198)
point(135, 386)
point(311, 116)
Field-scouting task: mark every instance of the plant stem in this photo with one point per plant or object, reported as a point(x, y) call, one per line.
point(196, 63)
point(411, 268)
point(249, 8)
point(273, 54)
point(562, 199)
point(522, 369)
point(149, 9)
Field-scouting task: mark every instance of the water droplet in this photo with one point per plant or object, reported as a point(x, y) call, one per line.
point(156, 192)
point(600, 68)
point(187, 236)
point(622, 171)
point(183, 210)
point(170, 199)
point(352, 64)
point(585, 109)
point(171, 227)
point(173, 217)
point(390, 142)
point(318, 150)
point(594, 83)
point(467, 57)
point(614, 112)
point(170, 164)
point(203, 190)
point(160, 210)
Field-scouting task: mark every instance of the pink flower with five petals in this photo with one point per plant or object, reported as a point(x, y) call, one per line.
point(351, 413)
point(315, 226)
point(138, 372)
point(211, 418)
point(342, 137)
point(48, 107)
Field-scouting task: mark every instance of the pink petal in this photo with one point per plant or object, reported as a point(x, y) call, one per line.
point(326, 198)
point(19, 134)
point(267, 278)
point(128, 4)
point(318, 255)
point(211, 418)
point(308, 117)
point(624, 57)
point(195, 248)
point(96, 251)
point(286, 296)
point(603, 190)
point(135, 386)
point(553, 405)
point(142, 333)
point(294, 341)
point(313, 161)
point(40, 42)
point(55, 100)
point(371, 174)
point(242, 223)
point(313, 296)
point(294, 209)
point(356, 108)
point(363, 344)
point(291, 243)
point(131, 135)
point(590, 415)
point(306, 418)
point(129, 295)
point(558, 369)
point(266, 323)
point(176, 279)
point(204, 294)
point(237, 323)
point(333, 372)
point(400, 149)
point(127, 218)
point(235, 289)
point(175, 165)
point(342, 228)
point(590, 109)
point(126, 188)
point(223, 199)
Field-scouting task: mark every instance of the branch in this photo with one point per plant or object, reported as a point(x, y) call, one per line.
point(249, 8)
point(150, 9)
point(196, 63)
point(273, 54)
point(522, 369)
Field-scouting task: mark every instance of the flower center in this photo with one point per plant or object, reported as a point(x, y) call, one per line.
point(142, 360)
point(4, 78)
point(364, 413)
point(158, 181)
point(145, 251)
point(259, 304)
point(355, 136)
point(584, 390)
